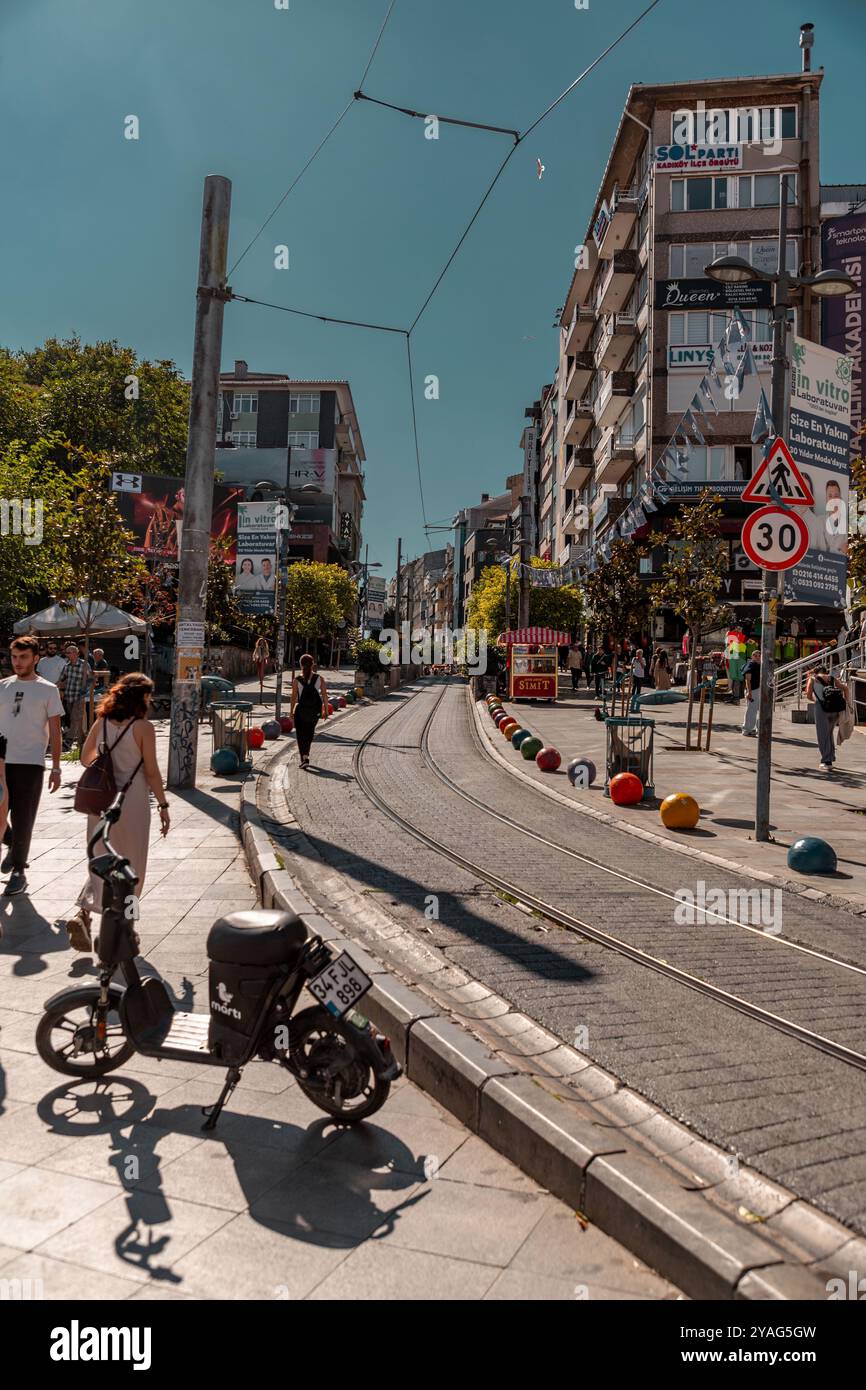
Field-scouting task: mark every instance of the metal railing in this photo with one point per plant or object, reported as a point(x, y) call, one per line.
point(789, 680)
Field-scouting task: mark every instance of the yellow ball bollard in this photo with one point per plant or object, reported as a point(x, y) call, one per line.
point(679, 811)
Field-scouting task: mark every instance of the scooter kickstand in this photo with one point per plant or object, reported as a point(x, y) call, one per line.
point(214, 1111)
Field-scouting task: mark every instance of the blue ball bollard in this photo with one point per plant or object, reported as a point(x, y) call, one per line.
point(224, 762)
point(271, 728)
point(582, 773)
point(812, 856)
point(519, 736)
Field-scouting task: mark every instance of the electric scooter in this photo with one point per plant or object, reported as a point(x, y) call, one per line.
point(260, 962)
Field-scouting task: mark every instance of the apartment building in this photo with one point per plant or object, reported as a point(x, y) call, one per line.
point(693, 174)
point(263, 415)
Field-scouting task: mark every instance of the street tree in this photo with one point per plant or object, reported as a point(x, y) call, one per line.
point(616, 595)
point(317, 597)
point(560, 606)
point(692, 576)
point(34, 493)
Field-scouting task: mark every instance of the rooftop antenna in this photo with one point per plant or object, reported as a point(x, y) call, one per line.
point(807, 38)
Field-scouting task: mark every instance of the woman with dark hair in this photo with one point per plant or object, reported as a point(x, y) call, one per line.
point(123, 727)
point(309, 704)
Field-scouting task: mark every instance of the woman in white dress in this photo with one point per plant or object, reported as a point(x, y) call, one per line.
point(122, 725)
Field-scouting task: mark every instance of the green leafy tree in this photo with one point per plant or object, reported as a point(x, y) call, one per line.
point(223, 612)
point(317, 597)
point(616, 596)
point(34, 495)
point(560, 607)
point(692, 575)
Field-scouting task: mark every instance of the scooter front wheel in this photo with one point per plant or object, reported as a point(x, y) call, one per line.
point(339, 1079)
point(73, 1039)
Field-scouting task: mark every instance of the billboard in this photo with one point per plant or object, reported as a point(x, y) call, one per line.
point(313, 467)
point(256, 565)
point(819, 439)
point(152, 507)
point(844, 248)
point(712, 294)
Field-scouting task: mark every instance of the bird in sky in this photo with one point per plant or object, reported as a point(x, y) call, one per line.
point(540, 168)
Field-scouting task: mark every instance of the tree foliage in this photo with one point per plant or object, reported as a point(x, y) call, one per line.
point(617, 598)
point(318, 597)
point(30, 477)
point(560, 607)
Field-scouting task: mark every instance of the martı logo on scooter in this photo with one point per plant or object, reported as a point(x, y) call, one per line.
point(223, 1008)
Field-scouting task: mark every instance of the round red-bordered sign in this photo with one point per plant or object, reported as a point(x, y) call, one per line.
point(775, 538)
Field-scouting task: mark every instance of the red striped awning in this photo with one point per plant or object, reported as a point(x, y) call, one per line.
point(533, 637)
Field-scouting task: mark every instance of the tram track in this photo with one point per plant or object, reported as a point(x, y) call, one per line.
point(577, 925)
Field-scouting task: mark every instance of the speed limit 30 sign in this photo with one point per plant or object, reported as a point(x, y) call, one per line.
point(775, 538)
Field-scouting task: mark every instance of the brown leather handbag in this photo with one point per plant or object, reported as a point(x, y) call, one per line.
point(97, 787)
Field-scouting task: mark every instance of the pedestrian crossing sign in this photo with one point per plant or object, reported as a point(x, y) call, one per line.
point(780, 470)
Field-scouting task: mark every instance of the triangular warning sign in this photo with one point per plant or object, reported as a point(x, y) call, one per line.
point(779, 469)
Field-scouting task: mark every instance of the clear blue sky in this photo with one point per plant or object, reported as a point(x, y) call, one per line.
point(99, 235)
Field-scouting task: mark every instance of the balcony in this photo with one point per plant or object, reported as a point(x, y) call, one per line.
point(578, 466)
point(580, 375)
point(578, 422)
point(609, 509)
point(617, 282)
point(622, 215)
point(617, 341)
point(613, 398)
point(578, 331)
point(615, 456)
point(581, 284)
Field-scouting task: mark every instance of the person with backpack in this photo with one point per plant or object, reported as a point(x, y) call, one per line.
point(831, 697)
point(309, 705)
point(119, 754)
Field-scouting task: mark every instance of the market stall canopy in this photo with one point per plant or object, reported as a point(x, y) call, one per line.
point(98, 618)
point(533, 637)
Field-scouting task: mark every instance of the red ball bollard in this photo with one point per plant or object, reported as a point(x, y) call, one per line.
point(548, 759)
point(287, 723)
point(626, 789)
point(255, 738)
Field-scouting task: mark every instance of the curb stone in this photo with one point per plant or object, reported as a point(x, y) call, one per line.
point(581, 1146)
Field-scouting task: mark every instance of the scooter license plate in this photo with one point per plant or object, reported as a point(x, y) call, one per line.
point(340, 985)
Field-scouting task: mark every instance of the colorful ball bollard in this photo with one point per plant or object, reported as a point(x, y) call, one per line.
point(679, 811)
point(530, 748)
point(499, 716)
point(509, 727)
point(359, 692)
point(341, 701)
point(271, 728)
point(548, 759)
point(255, 738)
point(350, 697)
point(224, 762)
point(287, 724)
point(810, 855)
point(582, 772)
point(330, 707)
point(519, 736)
point(626, 789)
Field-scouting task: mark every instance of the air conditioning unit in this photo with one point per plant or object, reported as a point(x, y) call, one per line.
point(234, 414)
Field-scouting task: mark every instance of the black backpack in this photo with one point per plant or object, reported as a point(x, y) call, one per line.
point(832, 701)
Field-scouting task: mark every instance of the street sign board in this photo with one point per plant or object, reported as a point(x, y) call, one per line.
point(774, 538)
point(779, 468)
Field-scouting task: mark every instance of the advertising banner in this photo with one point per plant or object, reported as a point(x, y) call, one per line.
point(696, 357)
point(819, 440)
point(844, 248)
point(694, 159)
point(712, 294)
point(257, 546)
point(312, 467)
point(152, 508)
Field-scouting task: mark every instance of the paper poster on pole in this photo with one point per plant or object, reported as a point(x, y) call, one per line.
point(256, 563)
point(819, 439)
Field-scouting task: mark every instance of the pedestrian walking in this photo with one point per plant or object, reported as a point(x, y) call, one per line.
point(101, 672)
point(123, 727)
point(74, 684)
point(309, 705)
point(660, 670)
point(30, 713)
point(575, 663)
point(752, 684)
point(600, 667)
point(830, 695)
point(261, 656)
point(587, 665)
point(638, 676)
point(51, 664)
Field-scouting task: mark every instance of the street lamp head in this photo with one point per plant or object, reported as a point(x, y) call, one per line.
point(830, 282)
point(733, 270)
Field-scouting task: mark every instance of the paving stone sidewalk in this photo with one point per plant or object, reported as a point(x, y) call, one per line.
point(110, 1190)
point(804, 800)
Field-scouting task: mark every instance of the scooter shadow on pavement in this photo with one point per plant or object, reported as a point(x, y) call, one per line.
point(122, 1108)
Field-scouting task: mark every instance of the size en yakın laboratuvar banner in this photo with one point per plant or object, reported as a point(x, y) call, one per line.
point(819, 439)
point(256, 565)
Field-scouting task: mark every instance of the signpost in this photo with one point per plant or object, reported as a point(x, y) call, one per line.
point(779, 471)
point(775, 538)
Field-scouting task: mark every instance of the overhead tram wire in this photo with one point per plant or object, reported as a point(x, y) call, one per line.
point(322, 318)
point(415, 431)
point(443, 120)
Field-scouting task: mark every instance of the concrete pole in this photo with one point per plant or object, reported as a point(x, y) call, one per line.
point(770, 580)
point(523, 584)
point(211, 295)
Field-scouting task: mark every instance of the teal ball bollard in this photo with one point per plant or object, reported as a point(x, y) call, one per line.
point(224, 762)
point(519, 736)
point(812, 856)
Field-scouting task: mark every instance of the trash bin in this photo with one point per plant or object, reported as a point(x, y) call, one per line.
point(230, 721)
point(630, 749)
point(214, 686)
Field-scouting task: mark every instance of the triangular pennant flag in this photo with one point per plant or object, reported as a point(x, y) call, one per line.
point(713, 371)
point(691, 423)
point(733, 336)
point(647, 503)
point(704, 390)
point(697, 408)
point(744, 328)
point(763, 427)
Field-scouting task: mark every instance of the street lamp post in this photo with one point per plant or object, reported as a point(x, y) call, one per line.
point(736, 270)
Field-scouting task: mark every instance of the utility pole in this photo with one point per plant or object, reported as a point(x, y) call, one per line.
point(523, 600)
point(770, 582)
point(211, 296)
point(284, 517)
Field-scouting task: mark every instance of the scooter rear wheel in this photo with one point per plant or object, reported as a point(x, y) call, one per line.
point(66, 1039)
point(341, 1079)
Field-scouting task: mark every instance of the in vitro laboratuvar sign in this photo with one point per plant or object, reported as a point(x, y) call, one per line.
point(694, 158)
point(711, 294)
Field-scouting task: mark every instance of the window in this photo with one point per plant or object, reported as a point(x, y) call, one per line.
point(690, 259)
point(306, 403)
point(245, 404)
point(706, 465)
point(737, 126)
point(762, 190)
point(695, 328)
point(243, 438)
point(698, 194)
point(304, 439)
point(641, 350)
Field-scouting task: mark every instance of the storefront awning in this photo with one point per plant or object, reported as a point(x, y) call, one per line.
point(533, 637)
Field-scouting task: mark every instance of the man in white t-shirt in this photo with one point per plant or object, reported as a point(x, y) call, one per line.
point(30, 711)
point(51, 664)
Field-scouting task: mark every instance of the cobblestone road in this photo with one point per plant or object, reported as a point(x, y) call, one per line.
point(792, 1113)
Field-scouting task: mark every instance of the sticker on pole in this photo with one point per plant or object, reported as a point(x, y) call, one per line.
point(774, 538)
point(780, 469)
